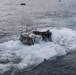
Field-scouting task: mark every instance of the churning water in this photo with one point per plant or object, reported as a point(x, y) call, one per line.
point(58, 17)
point(15, 54)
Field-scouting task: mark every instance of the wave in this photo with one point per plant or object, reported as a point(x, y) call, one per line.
point(22, 57)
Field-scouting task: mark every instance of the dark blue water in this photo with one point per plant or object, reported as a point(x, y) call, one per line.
point(65, 65)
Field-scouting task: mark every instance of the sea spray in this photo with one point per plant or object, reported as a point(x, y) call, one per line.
point(63, 41)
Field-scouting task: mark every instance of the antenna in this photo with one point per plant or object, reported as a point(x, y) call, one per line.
point(21, 28)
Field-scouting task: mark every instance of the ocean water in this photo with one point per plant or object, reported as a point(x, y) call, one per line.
point(58, 17)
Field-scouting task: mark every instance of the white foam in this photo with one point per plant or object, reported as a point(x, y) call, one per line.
point(65, 37)
point(63, 41)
